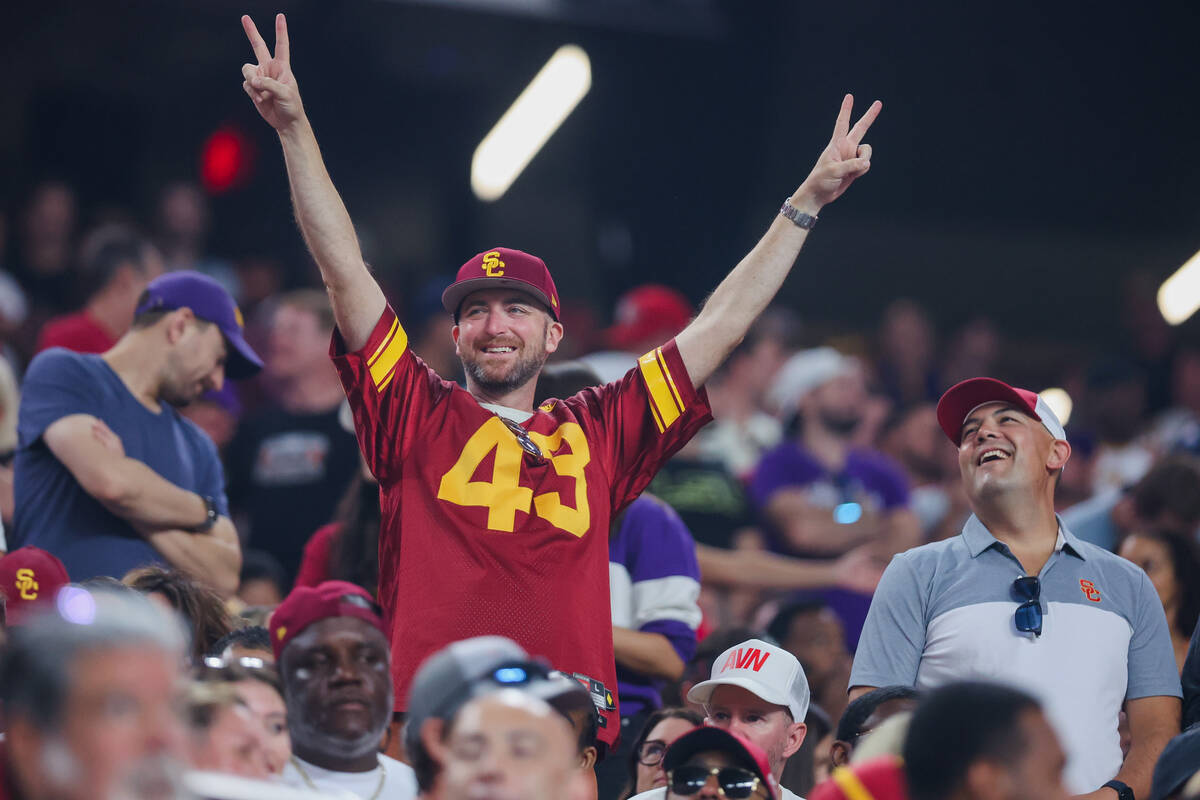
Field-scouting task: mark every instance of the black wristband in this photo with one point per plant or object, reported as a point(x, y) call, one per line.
point(210, 519)
point(1122, 789)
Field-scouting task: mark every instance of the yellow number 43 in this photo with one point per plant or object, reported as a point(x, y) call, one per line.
point(503, 496)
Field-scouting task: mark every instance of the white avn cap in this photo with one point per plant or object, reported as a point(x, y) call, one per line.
point(769, 672)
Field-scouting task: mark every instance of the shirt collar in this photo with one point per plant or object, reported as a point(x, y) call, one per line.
point(978, 538)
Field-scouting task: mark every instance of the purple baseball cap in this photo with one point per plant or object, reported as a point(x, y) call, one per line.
point(209, 301)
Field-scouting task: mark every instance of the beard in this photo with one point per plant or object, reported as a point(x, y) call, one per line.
point(499, 380)
point(842, 422)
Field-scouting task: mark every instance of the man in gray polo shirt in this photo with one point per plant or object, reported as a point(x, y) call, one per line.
point(1020, 600)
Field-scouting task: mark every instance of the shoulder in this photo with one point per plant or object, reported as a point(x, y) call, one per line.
point(1116, 571)
point(398, 772)
point(926, 561)
point(59, 360)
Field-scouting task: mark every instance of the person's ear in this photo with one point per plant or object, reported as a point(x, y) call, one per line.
point(1060, 452)
point(454, 332)
point(795, 738)
point(431, 739)
point(987, 780)
point(178, 322)
point(587, 757)
point(554, 335)
point(839, 753)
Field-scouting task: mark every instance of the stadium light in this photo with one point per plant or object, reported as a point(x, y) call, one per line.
point(1059, 402)
point(531, 120)
point(1179, 295)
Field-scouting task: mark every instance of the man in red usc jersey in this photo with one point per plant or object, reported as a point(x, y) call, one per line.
point(495, 515)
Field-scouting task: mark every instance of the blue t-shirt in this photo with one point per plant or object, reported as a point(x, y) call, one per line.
point(53, 511)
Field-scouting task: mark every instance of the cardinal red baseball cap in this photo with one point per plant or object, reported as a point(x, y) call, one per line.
point(30, 577)
point(503, 268)
point(209, 301)
point(880, 778)
point(963, 398)
point(648, 311)
point(707, 738)
point(309, 604)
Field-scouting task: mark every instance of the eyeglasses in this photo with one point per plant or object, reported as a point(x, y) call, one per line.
point(523, 439)
point(651, 752)
point(735, 783)
point(1028, 589)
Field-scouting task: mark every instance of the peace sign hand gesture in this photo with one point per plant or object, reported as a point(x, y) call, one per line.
point(844, 159)
point(270, 83)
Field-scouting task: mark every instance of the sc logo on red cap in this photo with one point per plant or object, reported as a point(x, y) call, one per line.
point(492, 265)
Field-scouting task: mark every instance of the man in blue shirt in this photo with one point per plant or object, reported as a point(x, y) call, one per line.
point(1018, 599)
point(109, 476)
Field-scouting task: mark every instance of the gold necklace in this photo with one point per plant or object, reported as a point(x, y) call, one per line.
point(313, 786)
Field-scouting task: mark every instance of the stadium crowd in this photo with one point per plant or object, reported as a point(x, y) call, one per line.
point(872, 574)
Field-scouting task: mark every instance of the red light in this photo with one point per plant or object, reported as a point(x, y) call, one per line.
point(226, 160)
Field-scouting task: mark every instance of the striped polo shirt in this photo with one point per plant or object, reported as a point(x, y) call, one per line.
point(945, 612)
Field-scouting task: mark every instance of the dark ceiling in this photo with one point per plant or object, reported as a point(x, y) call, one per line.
point(1029, 157)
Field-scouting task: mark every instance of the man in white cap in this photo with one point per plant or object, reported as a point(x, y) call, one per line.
point(1018, 599)
point(758, 692)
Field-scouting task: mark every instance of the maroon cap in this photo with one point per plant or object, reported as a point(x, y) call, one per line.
point(29, 578)
point(963, 398)
point(879, 778)
point(309, 604)
point(648, 311)
point(706, 737)
point(502, 268)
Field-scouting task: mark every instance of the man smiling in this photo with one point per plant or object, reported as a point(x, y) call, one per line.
point(1018, 599)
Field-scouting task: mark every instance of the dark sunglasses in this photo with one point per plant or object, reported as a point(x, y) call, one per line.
point(1028, 589)
point(523, 439)
point(735, 783)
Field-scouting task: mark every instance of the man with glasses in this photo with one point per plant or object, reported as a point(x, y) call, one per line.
point(496, 514)
point(759, 693)
point(710, 763)
point(1017, 598)
point(333, 658)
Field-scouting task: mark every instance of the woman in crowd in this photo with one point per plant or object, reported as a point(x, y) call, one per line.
point(1172, 562)
point(347, 549)
point(662, 728)
point(200, 607)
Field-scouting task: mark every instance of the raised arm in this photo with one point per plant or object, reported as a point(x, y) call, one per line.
point(324, 222)
point(753, 283)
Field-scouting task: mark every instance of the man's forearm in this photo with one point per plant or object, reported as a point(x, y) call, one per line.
point(213, 558)
point(758, 569)
point(743, 295)
point(146, 500)
point(329, 233)
point(647, 653)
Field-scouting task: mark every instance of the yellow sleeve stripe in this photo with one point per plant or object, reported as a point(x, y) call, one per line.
point(850, 784)
point(386, 341)
point(665, 405)
point(383, 363)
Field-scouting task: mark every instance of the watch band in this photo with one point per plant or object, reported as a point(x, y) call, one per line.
point(801, 220)
point(1122, 789)
point(210, 518)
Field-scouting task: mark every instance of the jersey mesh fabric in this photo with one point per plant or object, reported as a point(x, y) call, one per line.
point(480, 537)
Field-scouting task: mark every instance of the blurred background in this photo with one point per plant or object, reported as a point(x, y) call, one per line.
point(1033, 160)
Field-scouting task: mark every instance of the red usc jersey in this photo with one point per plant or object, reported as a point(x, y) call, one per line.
point(480, 536)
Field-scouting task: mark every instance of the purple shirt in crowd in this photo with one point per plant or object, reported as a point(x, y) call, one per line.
point(870, 481)
point(654, 586)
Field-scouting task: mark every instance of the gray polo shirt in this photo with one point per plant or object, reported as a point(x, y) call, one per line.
point(945, 612)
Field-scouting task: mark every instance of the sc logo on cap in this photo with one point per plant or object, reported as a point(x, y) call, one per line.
point(27, 584)
point(492, 265)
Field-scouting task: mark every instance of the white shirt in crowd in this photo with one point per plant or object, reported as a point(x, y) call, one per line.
point(391, 780)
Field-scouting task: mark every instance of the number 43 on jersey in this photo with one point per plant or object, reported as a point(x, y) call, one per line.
point(503, 496)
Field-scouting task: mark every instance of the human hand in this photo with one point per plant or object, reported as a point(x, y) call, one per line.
point(843, 160)
point(270, 83)
point(859, 570)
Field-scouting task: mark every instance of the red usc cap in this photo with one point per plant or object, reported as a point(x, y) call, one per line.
point(878, 779)
point(963, 398)
point(309, 604)
point(29, 578)
point(503, 268)
point(649, 310)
